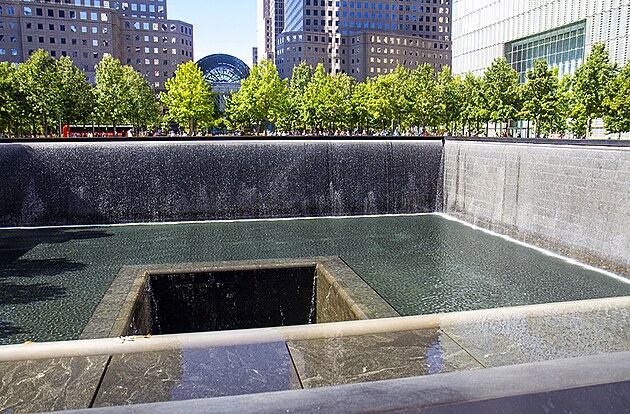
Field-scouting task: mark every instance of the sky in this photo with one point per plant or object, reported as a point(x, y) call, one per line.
point(220, 26)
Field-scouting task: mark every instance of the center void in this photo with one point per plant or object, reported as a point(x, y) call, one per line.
point(217, 296)
point(216, 301)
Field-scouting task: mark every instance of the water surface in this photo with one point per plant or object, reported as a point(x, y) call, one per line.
point(51, 280)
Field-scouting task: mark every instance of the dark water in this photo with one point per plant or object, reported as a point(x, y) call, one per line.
point(51, 280)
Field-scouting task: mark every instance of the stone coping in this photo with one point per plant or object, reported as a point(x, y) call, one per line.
point(576, 311)
point(127, 371)
point(454, 390)
point(113, 315)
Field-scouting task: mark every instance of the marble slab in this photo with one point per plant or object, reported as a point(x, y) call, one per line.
point(197, 373)
point(374, 357)
point(518, 337)
point(49, 385)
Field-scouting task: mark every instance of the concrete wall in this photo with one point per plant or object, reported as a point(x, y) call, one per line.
point(571, 199)
point(100, 183)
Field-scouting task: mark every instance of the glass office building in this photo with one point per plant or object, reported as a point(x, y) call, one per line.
point(562, 48)
point(561, 31)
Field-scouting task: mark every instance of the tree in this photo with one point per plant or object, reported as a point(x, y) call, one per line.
point(261, 100)
point(617, 103)
point(188, 97)
point(13, 101)
point(76, 94)
point(501, 92)
point(312, 111)
point(143, 106)
point(338, 106)
point(391, 99)
point(112, 96)
point(541, 95)
point(360, 101)
point(449, 97)
point(474, 110)
point(39, 81)
point(423, 92)
point(590, 85)
point(300, 78)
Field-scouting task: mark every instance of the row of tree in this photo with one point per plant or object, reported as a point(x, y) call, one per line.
point(42, 94)
point(313, 100)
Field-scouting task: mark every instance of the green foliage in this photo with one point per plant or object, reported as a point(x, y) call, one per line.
point(189, 100)
point(38, 79)
point(261, 100)
point(143, 107)
point(501, 92)
point(450, 95)
point(300, 78)
point(423, 90)
point(590, 85)
point(77, 95)
point(542, 96)
point(13, 101)
point(112, 96)
point(44, 92)
point(617, 102)
point(474, 110)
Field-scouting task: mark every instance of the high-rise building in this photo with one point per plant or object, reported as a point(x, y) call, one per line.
point(560, 31)
point(136, 32)
point(270, 24)
point(365, 38)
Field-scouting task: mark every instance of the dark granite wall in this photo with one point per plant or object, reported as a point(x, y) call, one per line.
point(103, 183)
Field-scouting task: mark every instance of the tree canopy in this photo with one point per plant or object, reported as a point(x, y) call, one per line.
point(43, 93)
point(188, 98)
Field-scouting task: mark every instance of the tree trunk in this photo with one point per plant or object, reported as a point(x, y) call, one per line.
point(588, 127)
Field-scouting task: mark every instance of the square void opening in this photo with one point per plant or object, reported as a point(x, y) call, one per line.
point(216, 296)
point(216, 301)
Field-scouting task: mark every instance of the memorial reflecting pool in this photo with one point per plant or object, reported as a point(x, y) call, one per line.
point(51, 280)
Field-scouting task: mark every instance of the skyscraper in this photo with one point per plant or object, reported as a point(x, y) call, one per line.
point(136, 32)
point(560, 31)
point(270, 19)
point(364, 39)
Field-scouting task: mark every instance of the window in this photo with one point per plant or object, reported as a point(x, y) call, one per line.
point(28, 11)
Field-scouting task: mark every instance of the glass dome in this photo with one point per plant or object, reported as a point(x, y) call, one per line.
point(221, 69)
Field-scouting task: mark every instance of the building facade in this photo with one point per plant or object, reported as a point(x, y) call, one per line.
point(136, 32)
point(560, 31)
point(364, 39)
point(270, 17)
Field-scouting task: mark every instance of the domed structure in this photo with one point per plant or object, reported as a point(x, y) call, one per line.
point(225, 73)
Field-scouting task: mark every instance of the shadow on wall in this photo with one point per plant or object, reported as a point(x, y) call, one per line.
point(104, 183)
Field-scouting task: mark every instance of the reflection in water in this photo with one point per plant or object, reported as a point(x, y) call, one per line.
point(233, 370)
